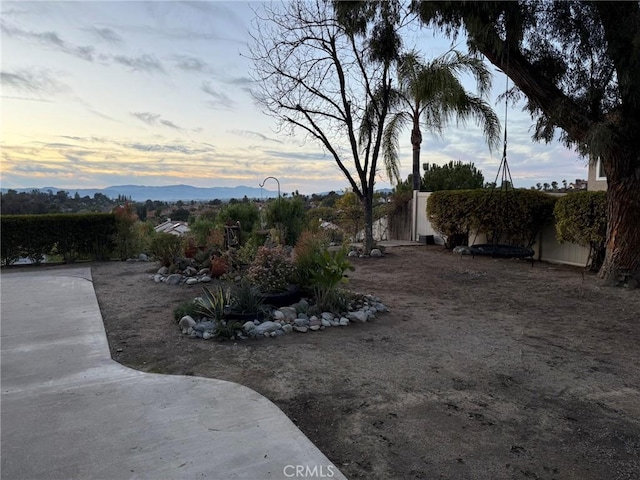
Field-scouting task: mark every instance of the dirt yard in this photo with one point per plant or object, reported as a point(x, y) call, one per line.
point(484, 369)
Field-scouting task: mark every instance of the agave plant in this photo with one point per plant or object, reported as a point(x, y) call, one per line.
point(214, 304)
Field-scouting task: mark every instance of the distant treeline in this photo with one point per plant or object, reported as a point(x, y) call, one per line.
point(38, 203)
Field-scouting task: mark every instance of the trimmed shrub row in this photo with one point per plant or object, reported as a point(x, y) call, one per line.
point(581, 218)
point(514, 217)
point(70, 235)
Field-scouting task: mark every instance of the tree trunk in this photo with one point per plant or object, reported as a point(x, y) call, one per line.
point(622, 258)
point(367, 203)
point(416, 140)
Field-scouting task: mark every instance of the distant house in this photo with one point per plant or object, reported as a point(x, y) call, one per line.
point(578, 185)
point(597, 178)
point(177, 228)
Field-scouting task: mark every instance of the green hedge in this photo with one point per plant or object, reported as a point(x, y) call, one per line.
point(514, 217)
point(70, 235)
point(581, 218)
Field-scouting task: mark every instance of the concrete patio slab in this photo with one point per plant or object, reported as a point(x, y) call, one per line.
point(70, 411)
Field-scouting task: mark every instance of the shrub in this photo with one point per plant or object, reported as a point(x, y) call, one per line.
point(581, 218)
point(452, 214)
point(70, 235)
point(306, 253)
point(189, 307)
point(245, 213)
point(327, 276)
point(127, 243)
point(201, 229)
point(271, 270)
point(165, 248)
point(245, 298)
point(289, 217)
point(514, 216)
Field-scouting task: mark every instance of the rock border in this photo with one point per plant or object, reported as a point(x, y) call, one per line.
point(286, 320)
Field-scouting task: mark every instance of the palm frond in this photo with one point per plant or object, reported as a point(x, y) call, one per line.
point(391, 145)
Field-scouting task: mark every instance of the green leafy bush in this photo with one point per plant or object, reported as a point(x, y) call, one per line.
point(128, 244)
point(514, 216)
point(244, 212)
point(330, 272)
point(581, 218)
point(165, 248)
point(201, 229)
point(288, 216)
point(306, 253)
point(70, 235)
point(189, 307)
point(245, 298)
point(272, 269)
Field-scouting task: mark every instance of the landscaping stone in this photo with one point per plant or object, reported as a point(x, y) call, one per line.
point(381, 307)
point(207, 335)
point(247, 327)
point(163, 270)
point(352, 253)
point(316, 322)
point(300, 329)
point(157, 278)
point(204, 326)
point(301, 322)
point(174, 279)
point(289, 313)
point(359, 316)
point(205, 279)
point(315, 328)
point(186, 322)
point(266, 327)
point(334, 323)
point(287, 328)
point(327, 315)
point(278, 315)
point(325, 322)
point(462, 250)
point(203, 271)
point(375, 253)
point(143, 258)
point(192, 281)
point(343, 322)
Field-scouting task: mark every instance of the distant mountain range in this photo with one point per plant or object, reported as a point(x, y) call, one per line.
point(167, 193)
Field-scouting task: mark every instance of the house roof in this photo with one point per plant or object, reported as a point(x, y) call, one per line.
point(173, 227)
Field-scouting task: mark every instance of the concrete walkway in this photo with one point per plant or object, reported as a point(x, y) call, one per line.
point(70, 412)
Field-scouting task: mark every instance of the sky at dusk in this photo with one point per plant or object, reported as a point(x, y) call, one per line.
point(95, 94)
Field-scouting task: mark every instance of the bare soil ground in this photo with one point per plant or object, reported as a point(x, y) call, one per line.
point(484, 369)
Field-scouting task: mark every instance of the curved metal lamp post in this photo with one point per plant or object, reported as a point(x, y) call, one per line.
point(277, 181)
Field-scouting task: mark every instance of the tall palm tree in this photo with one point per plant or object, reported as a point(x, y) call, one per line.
point(430, 95)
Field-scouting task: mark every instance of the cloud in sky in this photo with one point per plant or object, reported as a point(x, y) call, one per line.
point(219, 99)
point(34, 81)
point(142, 63)
point(105, 33)
point(156, 93)
point(190, 63)
point(251, 134)
point(50, 39)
